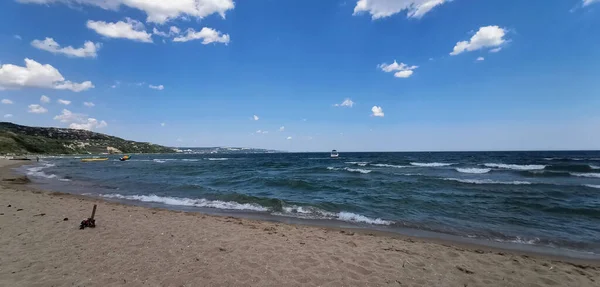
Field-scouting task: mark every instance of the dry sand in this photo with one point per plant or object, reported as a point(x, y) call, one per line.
point(137, 246)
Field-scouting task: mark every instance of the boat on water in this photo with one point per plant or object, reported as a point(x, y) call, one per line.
point(334, 154)
point(125, 157)
point(94, 159)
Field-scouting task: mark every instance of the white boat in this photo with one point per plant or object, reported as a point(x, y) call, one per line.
point(334, 154)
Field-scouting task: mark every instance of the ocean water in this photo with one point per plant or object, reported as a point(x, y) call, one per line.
point(549, 199)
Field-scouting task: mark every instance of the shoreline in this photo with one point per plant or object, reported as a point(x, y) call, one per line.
point(473, 244)
point(140, 245)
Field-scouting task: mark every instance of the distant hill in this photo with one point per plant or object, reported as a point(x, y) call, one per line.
point(17, 139)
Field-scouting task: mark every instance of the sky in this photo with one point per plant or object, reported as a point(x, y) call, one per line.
point(308, 75)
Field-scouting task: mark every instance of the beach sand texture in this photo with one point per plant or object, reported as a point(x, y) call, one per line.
point(138, 246)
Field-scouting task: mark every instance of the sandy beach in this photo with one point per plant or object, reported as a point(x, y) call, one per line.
point(138, 246)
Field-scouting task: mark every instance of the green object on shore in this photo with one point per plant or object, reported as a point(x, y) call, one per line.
point(18, 140)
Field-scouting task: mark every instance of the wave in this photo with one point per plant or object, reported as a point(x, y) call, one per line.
point(217, 158)
point(571, 167)
point(594, 175)
point(159, 160)
point(296, 211)
point(488, 181)
point(474, 170)
point(181, 201)
point(189, 159)
point(544, 173)
point(37, 171)
point(515, 166)
point(592, 185)
point(364, 171)
point(389, 165)
point(358, 163)
point(430, 164)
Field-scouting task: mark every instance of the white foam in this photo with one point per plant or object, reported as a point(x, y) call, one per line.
point(595, 175)
point(359, 163)
point(595, 167)
point(218, 158)
point(189, 159)
point(430, 164)
point(159, 160)
point(473, 170)
point(37, 171)
point(487, 181)
point(516, 166)
point(364, 171)
point(64, 179)
point(592, 185)
point(352, 217)
point(389, 165)
point(180, 201)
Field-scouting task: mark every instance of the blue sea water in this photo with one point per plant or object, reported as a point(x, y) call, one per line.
point(547, 199)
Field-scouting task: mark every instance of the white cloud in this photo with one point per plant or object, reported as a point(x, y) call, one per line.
point(130, 29)
point(64, 102)
point(496, 50)
point(588, 2)
point(486, 37)
point(88, 104)
point(377, 111)
point(480, 59)
point(18, 37)
point(8, 116)
point(114, 86)
point(346, 103)
point(262, 132)
point(89, 48)
point(89, 125)
point(173, 31)
point(385, 8)
point(7, 102)
point(401, 70)
point(159, 87)
point(207, 35)
point(44, 99)
point(255, 117)
point(157, 11)
point(79, 121)
point(289, 138)
point(282, 128)
point(37, 75)
point(37, 109)
point(162, 124)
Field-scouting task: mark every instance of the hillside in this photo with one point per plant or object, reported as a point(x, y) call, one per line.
point(17, 139)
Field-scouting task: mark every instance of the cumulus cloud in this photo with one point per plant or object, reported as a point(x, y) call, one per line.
point(385, 8)
point(486, 37)
point(157, 11)
point(255, 117)
point(159, 87)
point(346, 103)
point(36, 75)
point(289, 138)
point(8, 116)
point(37, 109)
point(282, 128)
point(588, 2)
point(89, 48)
point(377, 111)
point(496, 50)
point(79, 121)
point(88, 104)
point(64, 102)
point(44, 99)
point(262, 132)
point(173, 31)
point(401, 70)
point(207, 35)
point(7, 102)
point(480, 59)
point(130, 29)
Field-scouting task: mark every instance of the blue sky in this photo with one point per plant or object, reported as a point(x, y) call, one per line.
point(468, 75)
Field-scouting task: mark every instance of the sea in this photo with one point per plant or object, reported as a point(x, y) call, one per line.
point(541, 201)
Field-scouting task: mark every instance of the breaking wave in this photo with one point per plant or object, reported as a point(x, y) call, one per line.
point(37, 171)
point(594, 175)
point(487, 181)
point(364, 171)
point(217, 158)
point(474, 170)
point(430, 164)
point(515, 166)
point(389, 165)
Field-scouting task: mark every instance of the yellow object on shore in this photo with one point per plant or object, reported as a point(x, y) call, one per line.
point(94, 159)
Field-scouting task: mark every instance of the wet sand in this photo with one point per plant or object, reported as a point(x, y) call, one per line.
point(138, 246)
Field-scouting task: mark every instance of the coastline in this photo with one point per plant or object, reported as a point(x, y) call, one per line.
point(155, 246)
